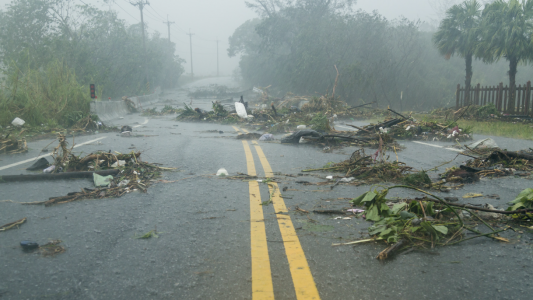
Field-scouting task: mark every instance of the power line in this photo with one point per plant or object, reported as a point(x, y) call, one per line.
point(125, 11)
point(157, 13)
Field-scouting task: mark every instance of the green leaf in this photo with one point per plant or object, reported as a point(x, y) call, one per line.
point(384, 207)
point(357, 201)
point(373, 230)
point(369, 196)
point(372, 213)
point(516, 206)
point(527, 193)
point(392, 239)
point(413, 229)
point(427, 226)
point(385, 232)
point(442, 229)
point(397, 207)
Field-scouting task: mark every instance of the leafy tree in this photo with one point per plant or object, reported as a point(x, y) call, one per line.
point(96, 44)
point(459, 34)
point(507, 29)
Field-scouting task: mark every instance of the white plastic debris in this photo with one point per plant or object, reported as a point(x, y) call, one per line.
point(125, 133)
point(329, 177)
point(222, 172)
point(303, 140)
point(118, 163)
point(241, 110)
point(485, 143)
point(347, 179)
point(18, 122)
point(355, 210)
point(50, 169)
point(259, 180)
point(123, 183)
point(266, 137)
point(301, 127)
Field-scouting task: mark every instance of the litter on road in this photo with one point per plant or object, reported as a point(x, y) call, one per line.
point(12, 224)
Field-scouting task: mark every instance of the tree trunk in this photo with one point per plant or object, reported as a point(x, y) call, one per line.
point(513, 62)
point(468, 78)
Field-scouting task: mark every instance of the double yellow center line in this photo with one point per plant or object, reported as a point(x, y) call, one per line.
point(262, 287)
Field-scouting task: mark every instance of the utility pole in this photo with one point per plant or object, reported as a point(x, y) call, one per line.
point(217, 59)
point(190, 42)
point(141, 5)
point(168, 24)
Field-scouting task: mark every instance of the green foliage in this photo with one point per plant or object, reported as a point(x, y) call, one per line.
point(50, 95)
point(320, 122)
point(219, 110)
point(523, 200)
point(419, 179)
point(96, 44)
point(459, 32)
point(486, 110)
point(507, 29)
point(374, 203)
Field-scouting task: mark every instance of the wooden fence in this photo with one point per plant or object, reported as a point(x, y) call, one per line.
point(499, 96)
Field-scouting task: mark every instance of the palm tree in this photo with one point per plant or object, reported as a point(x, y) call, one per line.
point(459, 34)
point(507, 29)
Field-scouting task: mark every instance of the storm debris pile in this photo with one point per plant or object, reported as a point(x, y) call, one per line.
point(409, 129)
point(132, 108)
point(491, 162)
point(166, 110)
point(11, 145)
point(367, 169)
point(421, 223)
point(213, 90)
point(133, 174)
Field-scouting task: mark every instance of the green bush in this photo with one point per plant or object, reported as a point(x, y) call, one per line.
point(46, 96)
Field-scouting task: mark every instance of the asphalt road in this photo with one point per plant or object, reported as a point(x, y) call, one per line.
point(217, 242)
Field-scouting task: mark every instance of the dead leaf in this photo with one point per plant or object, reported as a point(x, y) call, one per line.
point(472, 195)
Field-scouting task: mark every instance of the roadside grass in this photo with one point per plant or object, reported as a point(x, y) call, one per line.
point(506, 129)
point(517, 130)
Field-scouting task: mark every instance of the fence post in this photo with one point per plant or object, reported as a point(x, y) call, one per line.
point(457, 96)
point(499, 97)
point(477, 95)
point(528, 96)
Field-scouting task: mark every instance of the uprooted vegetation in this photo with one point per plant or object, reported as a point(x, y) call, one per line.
point(130, 173)
point(166, 110)
point(428, 222)
point(369, 169)
point(491, 162)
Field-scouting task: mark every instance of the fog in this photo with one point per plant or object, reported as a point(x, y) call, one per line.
point(210, 20)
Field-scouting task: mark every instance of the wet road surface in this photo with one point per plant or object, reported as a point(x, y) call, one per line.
point(217, 242)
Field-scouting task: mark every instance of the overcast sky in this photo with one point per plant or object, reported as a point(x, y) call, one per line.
point(210, 20)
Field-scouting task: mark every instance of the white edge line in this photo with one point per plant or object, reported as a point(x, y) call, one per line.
point(437, 146)
point(45, 155)
point(143, 123)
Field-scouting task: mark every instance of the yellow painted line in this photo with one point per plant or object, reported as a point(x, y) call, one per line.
point(304, 284)
point(236, 129)
point(262, 287)
point(245, 131)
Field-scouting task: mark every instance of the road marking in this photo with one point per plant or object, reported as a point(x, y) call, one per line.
point(143, 123)
point(352, 129)
point(237, 129)
point(437, 146)
point(304, 284)
point(262, 287)
point(45, 155)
